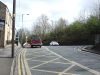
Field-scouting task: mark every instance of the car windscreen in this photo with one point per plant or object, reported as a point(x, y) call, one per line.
point(35, 38)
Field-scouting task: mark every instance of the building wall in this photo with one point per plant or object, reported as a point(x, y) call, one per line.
point(8, 27)
point(7, 31)
point(1, 37)
point(2, 28)
point(2, 10)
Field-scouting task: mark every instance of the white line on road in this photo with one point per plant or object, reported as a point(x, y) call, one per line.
point(46, 71)
point(73, 62)
point(54, 72)
point(61, 73)
point(51, 62)
point(40, 56)
point(44, 63)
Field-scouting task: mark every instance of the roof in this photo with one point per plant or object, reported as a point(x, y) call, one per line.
point(3, 4)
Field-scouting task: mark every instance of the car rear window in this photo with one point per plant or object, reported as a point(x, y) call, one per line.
point(35, 38)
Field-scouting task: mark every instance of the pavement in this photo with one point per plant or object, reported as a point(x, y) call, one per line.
point(5, 66)
point(13, 66)
point(89, 49)
point(5, 60)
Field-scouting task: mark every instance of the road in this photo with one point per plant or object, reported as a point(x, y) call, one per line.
point(62, 60)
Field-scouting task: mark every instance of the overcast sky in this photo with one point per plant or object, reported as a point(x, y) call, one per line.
point(54, 9)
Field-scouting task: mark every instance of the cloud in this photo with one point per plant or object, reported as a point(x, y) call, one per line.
point(67, 9)
point(54, 9)
point(61, 7)
point(8, 3)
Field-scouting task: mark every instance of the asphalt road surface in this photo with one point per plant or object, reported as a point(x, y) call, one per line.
point(62, 60)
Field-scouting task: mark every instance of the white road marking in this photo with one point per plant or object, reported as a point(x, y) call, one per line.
point(78, 48)
point(44, 63)
point(46, 71)
point(38, 60)
point(73, 62)
point(57, 54)
point(40, 56)
point(53, 72)
point(51, 62)
point(86, 68)
point(60, 62)
point(38, 51)
point(66, 69)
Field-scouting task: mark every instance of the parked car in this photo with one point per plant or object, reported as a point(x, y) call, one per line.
point(36, 41)
point(54, 43)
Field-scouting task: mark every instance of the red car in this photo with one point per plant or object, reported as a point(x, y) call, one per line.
point(36, 41)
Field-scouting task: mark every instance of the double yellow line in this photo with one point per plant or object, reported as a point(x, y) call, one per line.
point(23, 68)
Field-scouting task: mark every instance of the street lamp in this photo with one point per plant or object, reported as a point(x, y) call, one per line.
point(22, 19)
point(22, 27)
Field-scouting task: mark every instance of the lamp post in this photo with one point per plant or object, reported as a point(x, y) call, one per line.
point(13, 27)
point(22, 27)
point(22, 19)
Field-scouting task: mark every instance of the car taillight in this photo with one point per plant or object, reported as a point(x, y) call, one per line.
point(36, 41)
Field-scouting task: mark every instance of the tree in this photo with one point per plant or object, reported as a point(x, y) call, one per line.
point(22, 35)
point(42, 26)
point(37, 30)
point(61, 24)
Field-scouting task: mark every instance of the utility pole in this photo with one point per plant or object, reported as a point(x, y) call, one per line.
point(13, 27)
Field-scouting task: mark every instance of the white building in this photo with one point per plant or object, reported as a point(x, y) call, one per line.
point(5, 25)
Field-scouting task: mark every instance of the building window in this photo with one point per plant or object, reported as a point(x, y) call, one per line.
point(0, 34)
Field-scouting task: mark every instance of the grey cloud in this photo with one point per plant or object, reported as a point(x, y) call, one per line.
point(88, 4)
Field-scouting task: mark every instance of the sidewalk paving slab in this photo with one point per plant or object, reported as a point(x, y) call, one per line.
point(5, 60)
point(5, 66)
point(89, 49)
